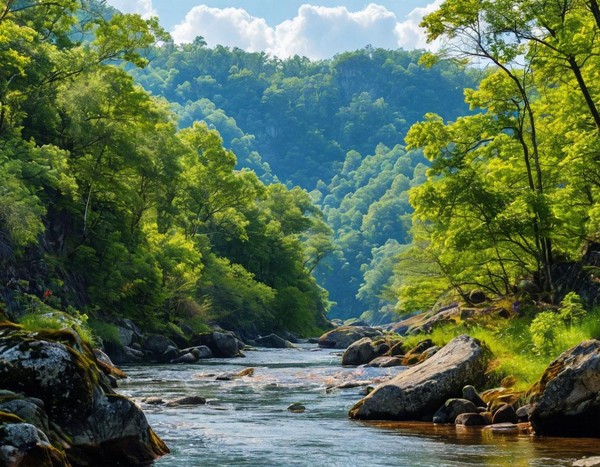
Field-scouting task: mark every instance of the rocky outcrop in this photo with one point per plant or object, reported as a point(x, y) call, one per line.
point(568, 395)
point(416, 393)
point(57, 400)
point(344, 336)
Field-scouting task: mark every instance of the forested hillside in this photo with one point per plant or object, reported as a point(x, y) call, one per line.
point(334, 127)
point(108, 209)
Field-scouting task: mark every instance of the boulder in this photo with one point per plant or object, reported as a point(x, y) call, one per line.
point(76, 407)
point(157, 344)
point(343, 336)
point(452, 409)
point(470, 393)
point(224, 345)
point(568, 395)
point(296, 407)
point(416, 393)
point(273, 341)
point(360, 352)
point(523, 413)
point(505, 414)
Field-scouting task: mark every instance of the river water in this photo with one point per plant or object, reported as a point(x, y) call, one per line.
point(246, 421)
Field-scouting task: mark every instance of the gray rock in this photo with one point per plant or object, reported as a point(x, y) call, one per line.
point(24, 444)
point(568, 402)
point(470, 419)
point(419, 391)
point(505, 414)
point(523, 413)
point(157, 344)
point(171, 353)
point(273, 341)
point(29, 410)
point(224, 345)
point(187, 400)
point(470, 393)
point(125, 336)
point(343, 336)
point(452, 409)
point(360, 352)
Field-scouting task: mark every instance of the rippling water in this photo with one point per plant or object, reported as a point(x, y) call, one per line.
point(246, 421)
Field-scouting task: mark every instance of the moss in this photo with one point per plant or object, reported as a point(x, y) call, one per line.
point(6, 417)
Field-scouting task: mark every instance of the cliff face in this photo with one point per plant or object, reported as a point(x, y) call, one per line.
point(57, 406)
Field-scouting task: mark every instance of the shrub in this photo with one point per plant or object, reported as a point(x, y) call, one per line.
point(544, 330)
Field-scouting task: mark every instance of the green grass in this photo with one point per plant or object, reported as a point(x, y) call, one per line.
point(510, 343)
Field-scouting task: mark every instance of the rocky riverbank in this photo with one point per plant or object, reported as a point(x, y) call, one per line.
point(57, 406)
point(438, 385)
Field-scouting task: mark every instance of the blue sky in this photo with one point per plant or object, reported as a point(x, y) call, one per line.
point(316, 29)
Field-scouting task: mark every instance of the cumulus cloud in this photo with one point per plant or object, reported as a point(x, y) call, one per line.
point(316, 32)
point(142, 7)
point(232, 27)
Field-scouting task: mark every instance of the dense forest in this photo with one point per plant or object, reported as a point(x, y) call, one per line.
point(178, 184)
point(108, 210)
point(333, 127)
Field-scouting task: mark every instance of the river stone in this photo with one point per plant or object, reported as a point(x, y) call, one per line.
point(470, 419)
point(568, 395)
point(360, 352)
point(452, 409)
point(417, 392)
point(470, 393)
point(505, 414)
point(273, 341)
point(523, 413)
point(187, 400)
point(27, 409)
point(503, 428)
point(587, 462)
point(343, 336)
point(188, 357)
point(296, 407)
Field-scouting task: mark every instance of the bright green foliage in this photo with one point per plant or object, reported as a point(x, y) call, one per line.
point(106, 206)
point(571, 308)
point(544, 330)
point(513, 187)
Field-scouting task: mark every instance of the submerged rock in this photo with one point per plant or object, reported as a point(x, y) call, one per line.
point(77, 409)
point(417, 392)
point(187, 400)
point(568, 395)
point(296, 407)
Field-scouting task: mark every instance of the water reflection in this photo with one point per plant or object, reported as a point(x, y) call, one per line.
point(246, 421)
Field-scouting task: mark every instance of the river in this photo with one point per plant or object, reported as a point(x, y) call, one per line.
point(246, 421)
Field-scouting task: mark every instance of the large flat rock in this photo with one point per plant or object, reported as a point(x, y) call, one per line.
point(416, 393)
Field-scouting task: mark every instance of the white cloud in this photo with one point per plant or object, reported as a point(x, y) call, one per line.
point(316, 32)
point(143, 7)
point(410, 35)
point(232, 27)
